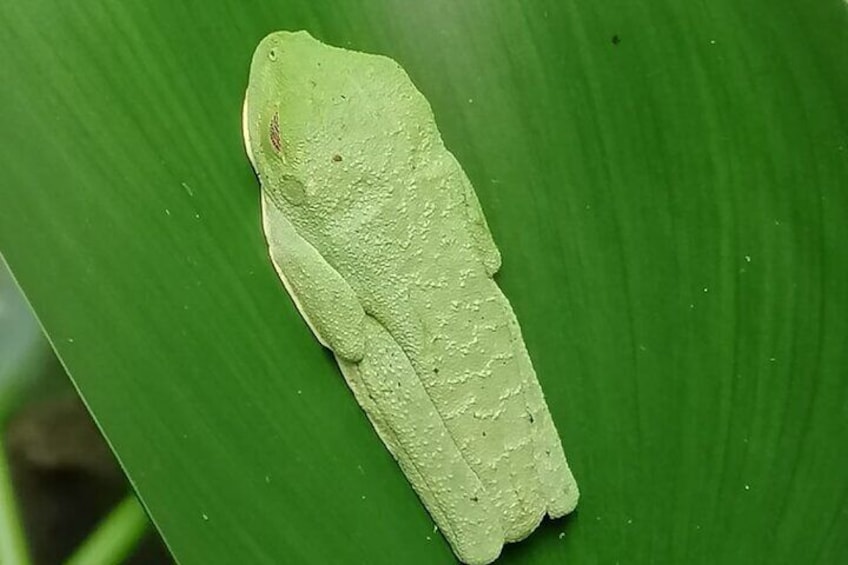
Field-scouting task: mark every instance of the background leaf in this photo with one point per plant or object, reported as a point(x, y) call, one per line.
point(667, 181)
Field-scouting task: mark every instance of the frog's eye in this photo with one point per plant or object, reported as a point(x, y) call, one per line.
point(274, 132)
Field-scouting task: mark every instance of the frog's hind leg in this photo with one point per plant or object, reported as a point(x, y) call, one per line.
point(388, 389)
point(560, 487)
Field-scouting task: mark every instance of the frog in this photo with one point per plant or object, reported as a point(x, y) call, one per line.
point(379, 238)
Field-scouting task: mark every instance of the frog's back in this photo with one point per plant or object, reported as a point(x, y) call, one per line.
point(399, 231)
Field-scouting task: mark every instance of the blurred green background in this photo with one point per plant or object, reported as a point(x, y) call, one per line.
point(63, 497)
point(667, 182)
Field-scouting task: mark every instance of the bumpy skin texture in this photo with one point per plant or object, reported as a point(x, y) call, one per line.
point(378, 236)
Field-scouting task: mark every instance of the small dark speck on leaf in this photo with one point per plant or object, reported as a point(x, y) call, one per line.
point(474, 499)
point(337, 158)
point(531, 418)
point(484, 434)
point(436, 370)
point(616, 39)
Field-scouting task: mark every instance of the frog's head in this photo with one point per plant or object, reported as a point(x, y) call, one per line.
point(321, 123)
point(275, 117)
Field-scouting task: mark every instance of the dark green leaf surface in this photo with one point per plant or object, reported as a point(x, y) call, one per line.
point(668, 184)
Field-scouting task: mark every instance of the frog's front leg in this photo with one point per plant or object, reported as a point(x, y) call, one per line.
point(481, 236)
point(327, 303)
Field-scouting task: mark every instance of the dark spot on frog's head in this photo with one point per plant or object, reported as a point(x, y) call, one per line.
point(274, 132)
point(484, 434)
point(616, 39)
point(436, 370)
point(531, 418)
point(474, 499)
point(337, 158)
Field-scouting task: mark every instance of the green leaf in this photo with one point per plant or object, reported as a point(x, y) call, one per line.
point(13, 546)
point(115, 537)
point(670, 207)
